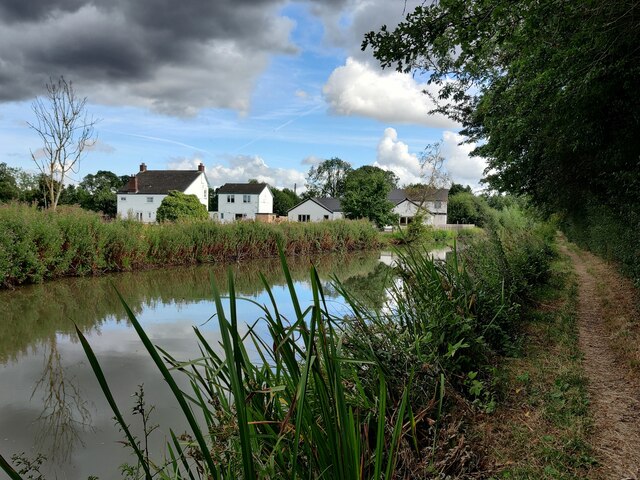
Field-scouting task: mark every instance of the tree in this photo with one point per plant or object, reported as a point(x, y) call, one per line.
point(366, 192)
point(179, 206)
point(457, 188)
point(99, 191)
point(547, 90)
point(66, 132)
point(283, 200)
point(8, 183)
point(464, 207)
point(327, 178)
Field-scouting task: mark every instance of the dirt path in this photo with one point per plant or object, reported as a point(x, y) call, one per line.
point(607, 326)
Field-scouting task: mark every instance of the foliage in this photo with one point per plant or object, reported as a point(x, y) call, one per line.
point(66, 132)
point(284, 200)
point(8, 184)
point(457, 188)
point(100, 191)
point(547, 90)
point(39, 245)
point(464, 207)
point(327, 179)
point(366, 191)
point(180, 206)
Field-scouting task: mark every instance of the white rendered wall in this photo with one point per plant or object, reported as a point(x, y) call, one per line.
point(315, 211)
point(227, 211)
point(437, 218)
point(200, 188)
point(136, 206)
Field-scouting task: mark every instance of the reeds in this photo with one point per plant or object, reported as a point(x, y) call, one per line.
point(40, 245)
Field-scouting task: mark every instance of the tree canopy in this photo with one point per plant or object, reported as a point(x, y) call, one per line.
point(547, 89)
point(366, 192)
point(179, 206)
point(327, 178)
point(283, 200)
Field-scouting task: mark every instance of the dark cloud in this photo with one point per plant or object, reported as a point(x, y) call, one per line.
point(176, 57)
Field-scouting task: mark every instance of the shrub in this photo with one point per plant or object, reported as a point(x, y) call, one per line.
point(179, 206)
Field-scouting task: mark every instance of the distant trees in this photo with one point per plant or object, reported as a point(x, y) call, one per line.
point(180, 206)
point(283, 200)
point(327, 179)
point(66, 132)
point(365, 195)
point(465, 207)
point(8, 184)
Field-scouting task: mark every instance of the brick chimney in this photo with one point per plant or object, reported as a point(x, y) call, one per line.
point(201, 167)
point(132, 185)
point(143, 167)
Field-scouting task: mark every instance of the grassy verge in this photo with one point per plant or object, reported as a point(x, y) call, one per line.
point(541, 427)
point(40, 245)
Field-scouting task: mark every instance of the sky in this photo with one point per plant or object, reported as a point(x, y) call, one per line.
point(260, 89)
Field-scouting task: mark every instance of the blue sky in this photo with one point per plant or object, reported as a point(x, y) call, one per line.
point(261, 89)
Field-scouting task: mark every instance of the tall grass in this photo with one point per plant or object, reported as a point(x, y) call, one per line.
point(38, 245)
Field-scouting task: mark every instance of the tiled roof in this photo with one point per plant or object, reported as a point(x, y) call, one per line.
point(330, 203)
point(163, 181)
point(243, 188)
point(398, 195)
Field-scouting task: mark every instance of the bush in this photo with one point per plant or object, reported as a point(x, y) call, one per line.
point(179, 206)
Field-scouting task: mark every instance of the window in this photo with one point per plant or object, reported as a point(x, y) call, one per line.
point(222, 216)
point(240, 216)
point(149, 214)
point(326, 217)
point(404, 220)
point(205, 193)
point(246, 199)
point(304, 218)
point(149, 199)
point(437, 204)
point(123, 199)
point(231, 199)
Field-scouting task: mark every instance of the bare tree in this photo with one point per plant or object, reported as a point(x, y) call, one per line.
point(66, 132)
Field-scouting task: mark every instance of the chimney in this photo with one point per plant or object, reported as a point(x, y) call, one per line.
point(201, 167)
point(132, 185)
point(143, 167)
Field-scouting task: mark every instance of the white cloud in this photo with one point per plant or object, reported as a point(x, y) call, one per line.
point(241, 168)
point(358, 89)
point(461, 166)
point(184, 163)
point(394, 155)
point(312, 160)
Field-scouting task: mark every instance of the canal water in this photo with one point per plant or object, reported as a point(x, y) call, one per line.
point(50, 402)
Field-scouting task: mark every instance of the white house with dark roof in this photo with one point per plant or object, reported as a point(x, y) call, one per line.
point(142, 196)
point(315, 210)
point(432, 202)
point(241, 201)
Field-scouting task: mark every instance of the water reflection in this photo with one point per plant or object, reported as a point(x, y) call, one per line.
point(65, 414)
point(51, 403)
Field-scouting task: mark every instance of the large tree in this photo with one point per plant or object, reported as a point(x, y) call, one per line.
point(66, 131)
point(547, 89)
point(283, 200)
point(366, 195)
point(327, 178)
point(8, 183)
point(99, 191)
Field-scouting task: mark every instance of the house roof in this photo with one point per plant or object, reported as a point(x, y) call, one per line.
point(398, 195)
point(163, 181)
point(328, 203)
point(243, 188)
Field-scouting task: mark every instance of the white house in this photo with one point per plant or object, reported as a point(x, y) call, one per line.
point(315, 210)
point(238, 201)
point(432, 203)
point(145, 191)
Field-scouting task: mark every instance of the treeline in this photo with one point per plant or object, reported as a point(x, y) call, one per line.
point(37, 245)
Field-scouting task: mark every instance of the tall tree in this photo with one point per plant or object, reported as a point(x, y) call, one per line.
point(100, 191)
point(8, 183)
point(327, 178)
point(66, 131)
point(283, 200)
point(547, 89)
point(366, 195)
